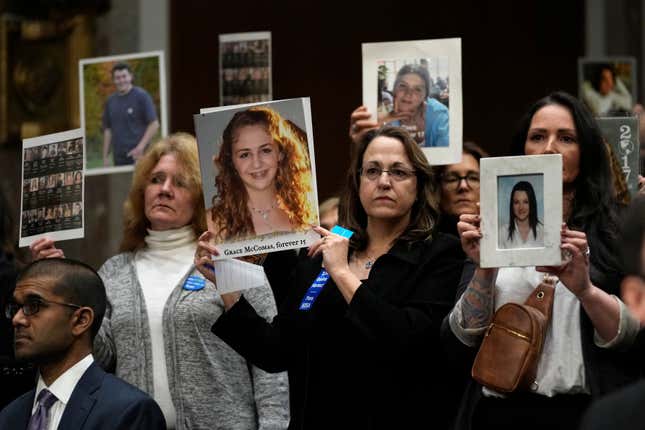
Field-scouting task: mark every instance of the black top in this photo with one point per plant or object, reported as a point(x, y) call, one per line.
point(371, 364)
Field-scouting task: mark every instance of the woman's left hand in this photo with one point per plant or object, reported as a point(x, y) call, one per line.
point(574, 273)
point(334, 250)
point(641, 184)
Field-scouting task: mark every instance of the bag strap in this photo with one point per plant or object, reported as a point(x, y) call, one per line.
point(542, 297)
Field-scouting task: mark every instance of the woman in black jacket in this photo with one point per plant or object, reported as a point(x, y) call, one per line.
point(365, 355)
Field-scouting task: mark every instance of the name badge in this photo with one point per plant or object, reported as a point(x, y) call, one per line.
point(194, 283)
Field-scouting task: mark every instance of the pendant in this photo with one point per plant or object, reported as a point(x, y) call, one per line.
point(369, 264)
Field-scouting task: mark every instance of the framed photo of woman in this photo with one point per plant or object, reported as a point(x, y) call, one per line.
point(521, 211)
point(417, 85)
point(258, 175)
point(607, 85)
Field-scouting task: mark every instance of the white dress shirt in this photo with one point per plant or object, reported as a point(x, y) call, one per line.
point(62, 388)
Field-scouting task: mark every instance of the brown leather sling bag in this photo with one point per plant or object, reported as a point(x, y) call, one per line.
point(509, 354)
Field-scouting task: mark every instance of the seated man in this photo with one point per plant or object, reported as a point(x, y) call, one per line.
point(624, 409)
point(57, 309)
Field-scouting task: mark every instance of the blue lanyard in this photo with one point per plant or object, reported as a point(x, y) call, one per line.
point(316, 287)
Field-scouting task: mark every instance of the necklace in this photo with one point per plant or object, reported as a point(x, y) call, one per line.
point(369, 263)
point(264, 213)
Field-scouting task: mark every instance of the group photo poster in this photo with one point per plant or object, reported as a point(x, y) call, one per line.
point(123, 108)
point(245, 68)
point(516, 195)
point(417, 85)
point(608, 85)
point(51, 201)
point(259, 176)
point(622, 137)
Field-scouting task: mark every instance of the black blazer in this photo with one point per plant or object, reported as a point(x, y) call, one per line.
point(371, 364)
point(99, 401)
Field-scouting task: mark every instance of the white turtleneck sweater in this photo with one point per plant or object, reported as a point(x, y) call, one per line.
point(160, 266)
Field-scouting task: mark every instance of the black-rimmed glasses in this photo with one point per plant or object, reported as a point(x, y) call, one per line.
point(452, 180)
point(32, 307)
point(396, 173)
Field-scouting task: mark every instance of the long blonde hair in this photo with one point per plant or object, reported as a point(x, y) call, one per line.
point(135, 224)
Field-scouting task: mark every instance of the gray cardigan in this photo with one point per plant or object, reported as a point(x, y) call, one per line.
point(212, 387)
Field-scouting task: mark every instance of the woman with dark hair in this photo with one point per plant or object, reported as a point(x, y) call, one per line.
point(425, 118)
point(364, 356)
point(524, 229)
point(264, 178)
point(584, 354)
point(459, 190)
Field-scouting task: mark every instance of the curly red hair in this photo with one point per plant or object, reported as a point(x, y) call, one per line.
point(293, 182)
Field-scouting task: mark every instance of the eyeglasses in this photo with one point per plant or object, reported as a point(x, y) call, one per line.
point(397, 174)
point(32, 307)
point(452, 180)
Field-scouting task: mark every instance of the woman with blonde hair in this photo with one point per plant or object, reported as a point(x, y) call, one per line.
point(156, 330)
point(264, 177)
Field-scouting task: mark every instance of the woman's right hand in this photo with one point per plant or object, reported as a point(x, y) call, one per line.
point(204, 265)
point(360, 122)
point(45, 248)
point(470, 234)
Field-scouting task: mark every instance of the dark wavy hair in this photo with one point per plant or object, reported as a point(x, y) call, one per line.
point(424, 212)
point(469, 148)
point(594, 205)
point(293, 182)
point(533, 218)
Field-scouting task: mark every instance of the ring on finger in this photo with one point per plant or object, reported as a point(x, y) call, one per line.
point(354, 128)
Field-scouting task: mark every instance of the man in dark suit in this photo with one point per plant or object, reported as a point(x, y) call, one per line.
point(624, 409)
point(57, 309)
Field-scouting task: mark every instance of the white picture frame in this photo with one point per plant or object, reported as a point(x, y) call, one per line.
point(84, 66)
point(501, 245)
point(210, 124)
point(58, 185)
point(440, 57)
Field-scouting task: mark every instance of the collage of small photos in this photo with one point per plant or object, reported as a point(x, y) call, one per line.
point(52, 197)
point(245, 68)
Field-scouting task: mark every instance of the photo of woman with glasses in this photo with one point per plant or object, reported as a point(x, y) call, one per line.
point(417, 103)
point(524, 229)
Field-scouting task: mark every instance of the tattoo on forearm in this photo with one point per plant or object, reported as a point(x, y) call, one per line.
point(477, 303)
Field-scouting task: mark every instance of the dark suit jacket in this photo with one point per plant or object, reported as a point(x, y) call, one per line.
point(99, 401)
point(620, 410)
